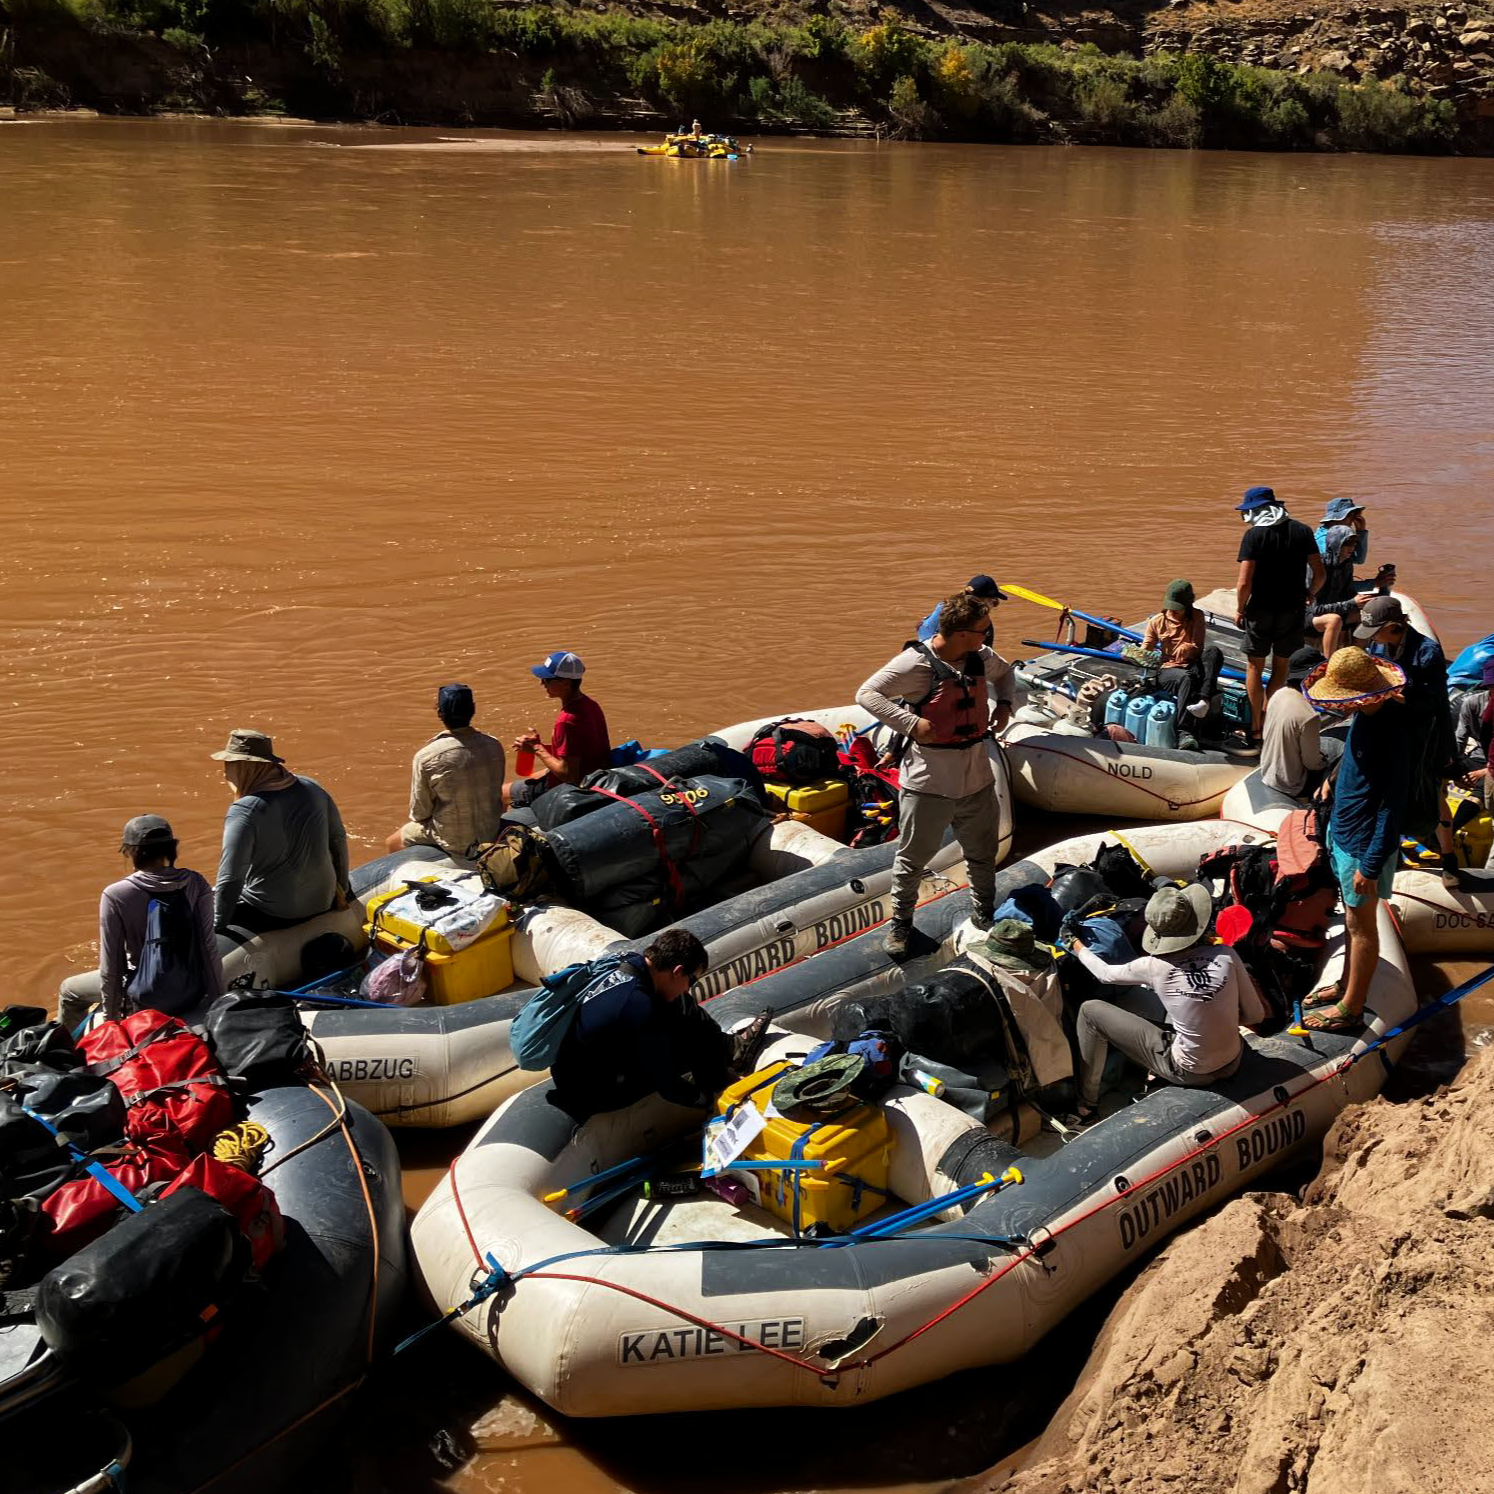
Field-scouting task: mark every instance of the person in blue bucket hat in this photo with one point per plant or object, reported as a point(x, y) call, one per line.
point(579, 743)
point(1280, 571)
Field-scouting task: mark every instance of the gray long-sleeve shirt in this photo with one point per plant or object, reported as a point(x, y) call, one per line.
point(1470, 725)
point(122, 916)
point(285, 852)
point(1293, 743)
point(948, 773)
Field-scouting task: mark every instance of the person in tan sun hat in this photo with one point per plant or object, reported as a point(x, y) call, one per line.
point(285, 852)
point(1364, 831)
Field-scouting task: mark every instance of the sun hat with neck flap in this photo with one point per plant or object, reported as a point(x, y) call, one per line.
point(246, 745)
point(1351, 680)
point(1176, 918)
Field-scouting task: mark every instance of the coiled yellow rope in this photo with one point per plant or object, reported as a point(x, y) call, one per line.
point(243, 1145)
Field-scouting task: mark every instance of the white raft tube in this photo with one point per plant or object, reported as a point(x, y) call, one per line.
point(608, 1334)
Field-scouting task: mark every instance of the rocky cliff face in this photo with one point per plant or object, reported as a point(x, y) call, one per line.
point(1331, 1346)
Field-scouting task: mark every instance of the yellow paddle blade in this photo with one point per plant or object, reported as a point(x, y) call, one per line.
point(1030, 596)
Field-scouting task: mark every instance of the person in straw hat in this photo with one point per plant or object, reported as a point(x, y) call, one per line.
point(285, 852)
point(1364, 830)
point(1185, 1027)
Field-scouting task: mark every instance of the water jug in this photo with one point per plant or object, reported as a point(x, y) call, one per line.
point(1115, 708)
point(1137, 711)
point(1162, 725)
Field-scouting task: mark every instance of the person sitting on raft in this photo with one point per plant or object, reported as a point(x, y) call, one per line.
point(981, 587)
point(1344, 511)
point(637, 1031)
point(1190, 665)
point(1186, 1028)
point(456, 782)
point(1337, 605)
point(124, 915)
point(1292, 758)
point(1474, 735)
point(285, 852)
point(579, 743)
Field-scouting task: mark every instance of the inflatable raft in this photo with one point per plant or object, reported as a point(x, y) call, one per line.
point(289, 1352)
point(649, 1307)
point(442, 1066)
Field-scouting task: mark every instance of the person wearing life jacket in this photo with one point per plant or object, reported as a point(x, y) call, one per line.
point(637, 1031)
point(124, 918)
point(285, 852)
point(579, 743)
point(978, 586)
point(1184, 1024)
point(946, 775)
point(1190, 664)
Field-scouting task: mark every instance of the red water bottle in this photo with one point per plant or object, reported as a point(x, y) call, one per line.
point(524, 762)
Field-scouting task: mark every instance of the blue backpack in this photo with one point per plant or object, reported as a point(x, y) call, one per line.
point(535, 1035)
point(169, 976)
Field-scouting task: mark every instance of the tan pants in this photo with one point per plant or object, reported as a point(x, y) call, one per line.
point(922, 820)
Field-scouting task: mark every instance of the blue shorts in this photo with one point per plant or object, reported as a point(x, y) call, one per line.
point(1344, 867)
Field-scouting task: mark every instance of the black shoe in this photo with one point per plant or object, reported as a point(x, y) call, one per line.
point(982, 919)
point(748, 1043)
point(895, 942)
point(1078, 1120)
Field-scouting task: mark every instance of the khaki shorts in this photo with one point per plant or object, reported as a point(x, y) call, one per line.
point(415, 834)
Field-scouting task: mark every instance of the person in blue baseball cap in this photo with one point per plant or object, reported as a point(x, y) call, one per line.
point(579, 743)
point(1280, 571)
point(978, 586)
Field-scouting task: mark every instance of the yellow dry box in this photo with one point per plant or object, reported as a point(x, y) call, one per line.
point(458, 971)
point(854, 1150)
point(823, 805)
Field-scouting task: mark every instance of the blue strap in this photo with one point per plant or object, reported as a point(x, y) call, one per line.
point(96, 1170)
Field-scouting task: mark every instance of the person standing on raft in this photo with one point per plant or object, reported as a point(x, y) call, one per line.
point(285, 852)
point(579, 743)
point(1364, 831)
point(946, 774)
point(1280, 571)
point(1190, 665)
point(456, 782)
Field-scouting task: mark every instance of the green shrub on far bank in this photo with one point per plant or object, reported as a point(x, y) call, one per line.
point(800, 75)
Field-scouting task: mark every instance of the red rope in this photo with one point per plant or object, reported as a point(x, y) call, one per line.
point(462, 1213)
point(671, 871)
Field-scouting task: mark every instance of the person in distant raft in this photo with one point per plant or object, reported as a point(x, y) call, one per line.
point(978, 586)
point(579, 744)
point(1190, 665)
point(1280, 569)
point(456, 782)
point(946, 774)
point(637, 1031)
point(184, 920)
point(285, 852)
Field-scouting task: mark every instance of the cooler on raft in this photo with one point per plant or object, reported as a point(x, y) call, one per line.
point(823, 805)
point(466, 932)
point(852, 1150)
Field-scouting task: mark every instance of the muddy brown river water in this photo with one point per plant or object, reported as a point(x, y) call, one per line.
point(298, 422)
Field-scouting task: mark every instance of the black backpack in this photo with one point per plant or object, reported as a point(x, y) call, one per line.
point(258, 1037)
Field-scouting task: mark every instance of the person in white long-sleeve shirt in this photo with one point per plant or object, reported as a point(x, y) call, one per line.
point(1185, 1028)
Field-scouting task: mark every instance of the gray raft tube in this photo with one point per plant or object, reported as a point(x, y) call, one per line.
point(446, 1066)
point(291, 1349)
point(611, 1333)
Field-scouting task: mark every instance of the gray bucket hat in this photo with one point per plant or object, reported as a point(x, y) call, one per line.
point(246, 745)
point(1177, 918)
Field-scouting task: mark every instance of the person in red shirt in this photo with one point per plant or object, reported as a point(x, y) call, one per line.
point(579, 744)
